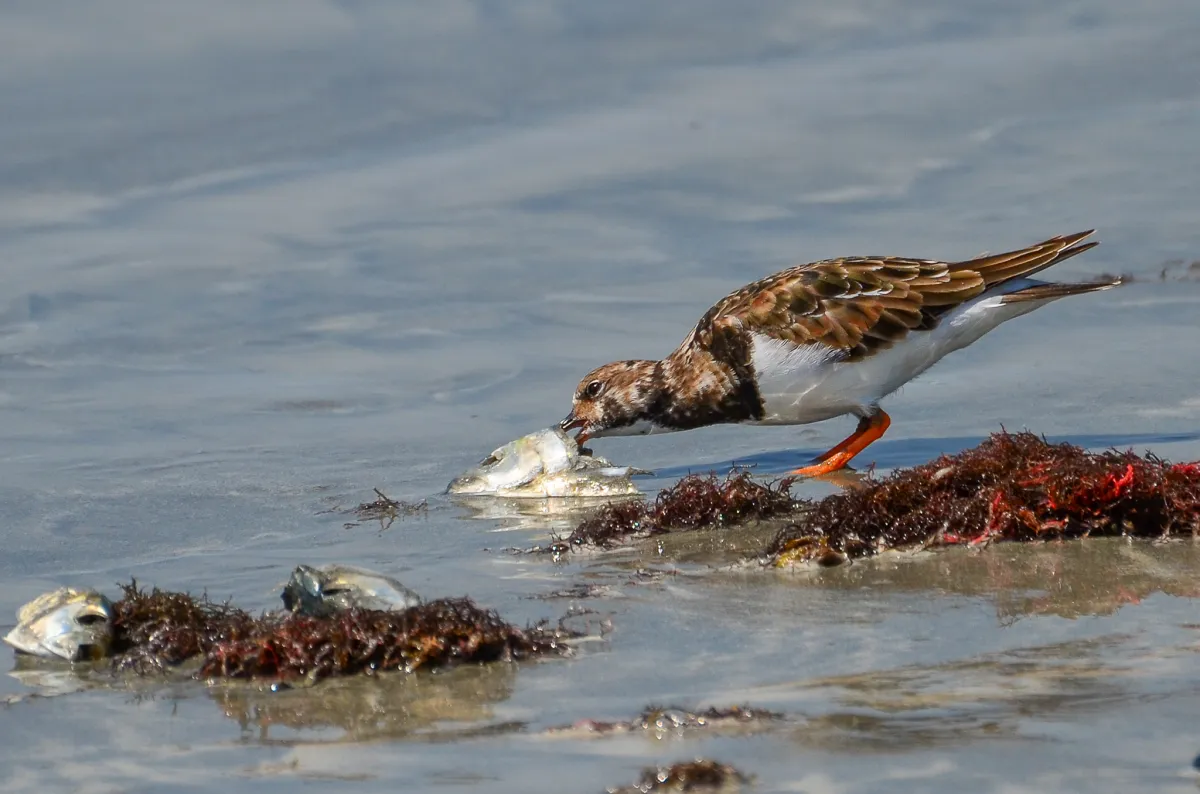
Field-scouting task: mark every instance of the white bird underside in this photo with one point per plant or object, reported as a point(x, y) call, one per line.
point(805, 384)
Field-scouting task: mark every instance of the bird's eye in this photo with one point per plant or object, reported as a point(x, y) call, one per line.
point(593, 389)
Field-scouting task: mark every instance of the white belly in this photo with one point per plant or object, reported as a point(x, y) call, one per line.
point(807, 384)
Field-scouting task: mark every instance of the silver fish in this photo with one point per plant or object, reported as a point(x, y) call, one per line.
point(67, 623)
point(323, 591)
point(547, 463)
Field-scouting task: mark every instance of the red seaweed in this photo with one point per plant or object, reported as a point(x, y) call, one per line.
point(1013, 487)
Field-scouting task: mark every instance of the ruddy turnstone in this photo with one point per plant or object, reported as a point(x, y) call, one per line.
point(821, 340)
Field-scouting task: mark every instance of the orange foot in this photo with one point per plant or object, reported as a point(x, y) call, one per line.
point(869, 429)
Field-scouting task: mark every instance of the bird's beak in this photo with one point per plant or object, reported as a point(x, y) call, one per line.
point(571, 423)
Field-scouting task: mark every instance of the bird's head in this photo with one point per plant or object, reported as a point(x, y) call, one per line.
point(615, 399)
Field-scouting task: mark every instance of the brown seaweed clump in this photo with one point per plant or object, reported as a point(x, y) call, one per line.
point(439, 633)
point(698, 775)
point(661, 721)
point(157, 629)
point(695, 501)
point(1010, 487)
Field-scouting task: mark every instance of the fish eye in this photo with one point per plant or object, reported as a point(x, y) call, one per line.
point(90, 619)
point(593, 389)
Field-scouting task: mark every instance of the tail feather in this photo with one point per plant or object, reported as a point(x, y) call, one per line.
point(1051, 291)
point(998, 268)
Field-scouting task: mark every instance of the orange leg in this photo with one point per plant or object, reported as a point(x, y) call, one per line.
point(869, 429)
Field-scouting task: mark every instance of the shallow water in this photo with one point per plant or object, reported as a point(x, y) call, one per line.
point(258, 263)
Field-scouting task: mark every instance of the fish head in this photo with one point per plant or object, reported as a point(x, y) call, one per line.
point(302, 593)
point(75, 625)
point(548, 463)
point(334, 588)
point(519, 463)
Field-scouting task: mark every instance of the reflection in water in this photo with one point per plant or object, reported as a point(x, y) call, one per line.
point(1068, 579)
point(385, 705)
point(987, 697)
point(550, 516)
point(1068, 599)
point(49, 678)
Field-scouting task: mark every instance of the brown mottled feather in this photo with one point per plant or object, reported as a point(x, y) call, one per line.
point(861, 305)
